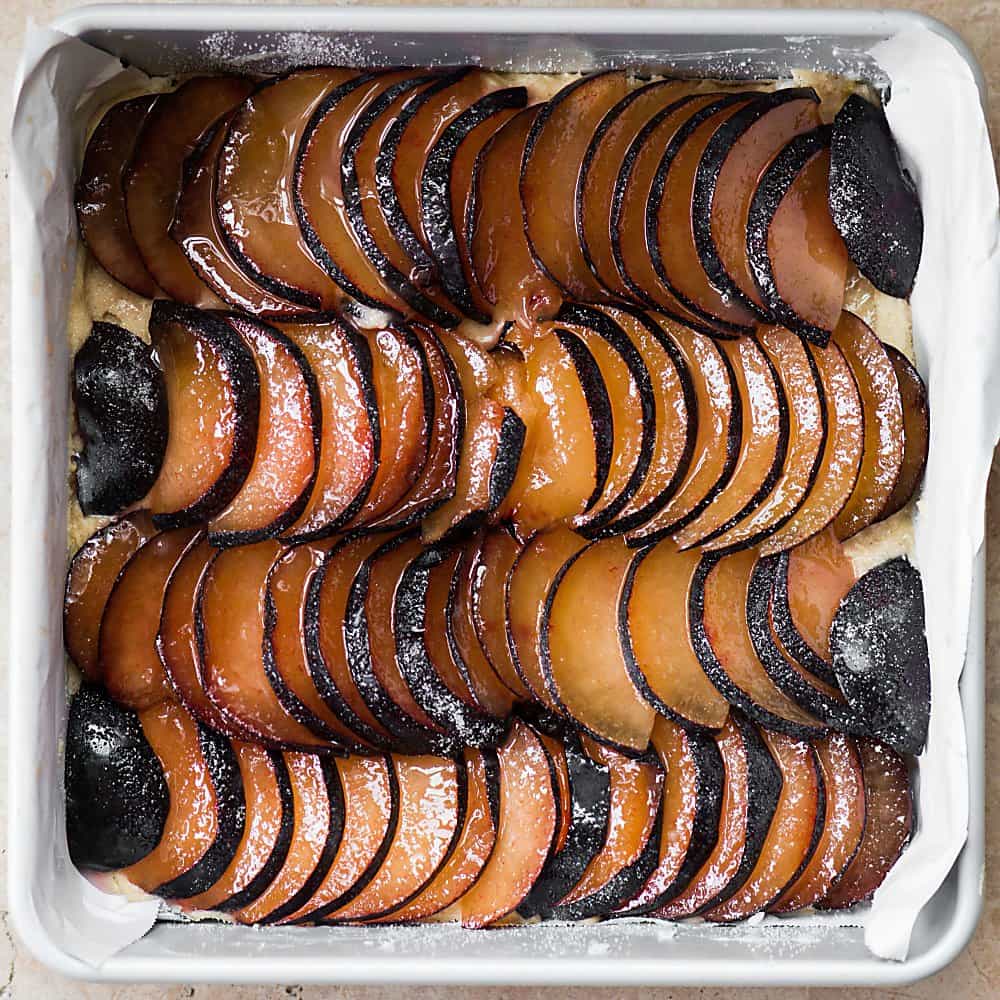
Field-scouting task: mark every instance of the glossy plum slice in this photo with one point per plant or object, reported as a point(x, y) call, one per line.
point(526, 829)
point(884, 448)
point(670, 225)
point(800, 381)
point(100, 195)
point(656, 638)
point(253, 188)
point(721, 637)
point(793, 833)
point(728, 173)
point(121, 414)
point(916, 433)
point(472, 848)
point(582, 659)
point(692, 807)
point(230, 625)
point(716, 446)
point(213, 398)
point(341, 361)
point(873, 200)
point(195, 229)
point(888, 825)
point(843, 825)
point(516, 288)
point(763, 448)
point(127, 659)
point(371, 814)
point(89, 581)
point(431, 809)
point(798, 259)
point(553, 152)
point(840, 461)
point(750, 796)
point(277, 486)
point(155, 173)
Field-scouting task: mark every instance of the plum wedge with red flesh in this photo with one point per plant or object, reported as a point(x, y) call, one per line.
point(916, 433)
point(100, 195)
point(155, 175)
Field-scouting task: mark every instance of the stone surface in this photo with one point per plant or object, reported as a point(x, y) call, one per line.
point(975, 975)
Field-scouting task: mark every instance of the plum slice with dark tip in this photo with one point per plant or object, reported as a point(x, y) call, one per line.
point(117, 798)
point(916, 433)
point(873, 200)
point(879, 651)
point(100, 195)
point(121, 412)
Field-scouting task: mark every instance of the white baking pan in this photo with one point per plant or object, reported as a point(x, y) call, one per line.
point(164, 39)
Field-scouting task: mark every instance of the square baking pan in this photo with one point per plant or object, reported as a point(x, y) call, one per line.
point(166, 39)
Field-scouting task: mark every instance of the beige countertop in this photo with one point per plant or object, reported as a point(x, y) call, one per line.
point(975, 974)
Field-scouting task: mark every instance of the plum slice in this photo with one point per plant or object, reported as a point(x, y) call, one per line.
point(424, 680)
point(553, 152)
point(319, 816)
point(177, 641)
point(128, 662)
point(530, 579)
point(599, 170)
point(195, 229)
point(567, 449)
point(213, 398)
point(763, 448)
point(582, 659)
point(888, 825)
point(446, 191)
point(341, 361)
point(633, 413)
point(100, 195)
point(739, 151)
point(670, 219)
point(750, 795)
point(110, 767)
point(494, 561)
point(916, 433)
point(121, 413)
point(840, 462)
point(432, 801)
point(656, 639)
point(692, 807)
point(491, 443)
point(473, 846)
point(515, 287)
point(526, 828)
point(267, 833)
point(152, 181)
point(206, 805)
point(253, 186)
point(884, 447)
point(230, 627)
point(879, 651)
point(89, 580)
point(286, 659)
point(370, 795)
point(873, 199)
point(277, 486)
point(631, 846)
point(798, 259)
point(716, 446)
point(843, 824)
point(798, 375)
point(792, 836)
point(717, 604)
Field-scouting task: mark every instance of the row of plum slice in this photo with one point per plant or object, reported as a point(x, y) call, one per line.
point(721, 825)
point(614, 421)
point(445, 196)
point(380, 642)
